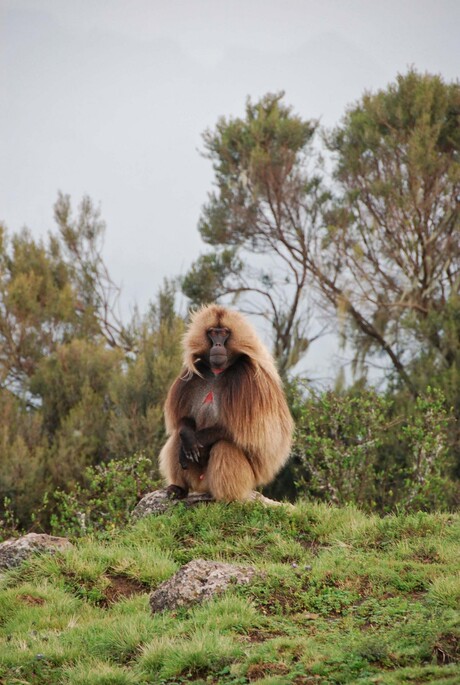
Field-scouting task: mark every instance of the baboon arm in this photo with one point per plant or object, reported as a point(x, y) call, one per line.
point(190, 449)
point(195, 445)
point(209, 436)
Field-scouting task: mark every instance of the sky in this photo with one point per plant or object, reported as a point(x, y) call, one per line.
point(110, 98)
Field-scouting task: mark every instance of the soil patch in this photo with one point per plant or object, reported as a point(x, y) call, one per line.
point(258, 671)
point(120, 587)
point(447, 649)
point(31, 600)
point(262, 635)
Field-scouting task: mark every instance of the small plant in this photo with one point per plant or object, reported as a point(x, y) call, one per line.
point(9, 524)
point(106, 499)
point(425, 483)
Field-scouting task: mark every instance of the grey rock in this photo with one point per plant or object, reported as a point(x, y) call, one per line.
point(157, 502)
point(197, 581)
point(13, 552)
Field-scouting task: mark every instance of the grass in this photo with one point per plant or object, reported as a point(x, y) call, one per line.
point(343, 598)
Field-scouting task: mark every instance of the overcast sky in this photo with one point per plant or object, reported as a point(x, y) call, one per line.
point(110, 98)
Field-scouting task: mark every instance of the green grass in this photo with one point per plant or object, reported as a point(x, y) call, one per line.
point(343, 598)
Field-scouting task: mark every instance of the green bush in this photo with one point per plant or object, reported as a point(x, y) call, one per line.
point(78, 388)
point(23, 449)
point(350, 447)
point(336, 444)
point(105, 499)
point(426, 483)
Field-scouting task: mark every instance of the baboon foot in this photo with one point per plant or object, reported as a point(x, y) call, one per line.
point(176, 492)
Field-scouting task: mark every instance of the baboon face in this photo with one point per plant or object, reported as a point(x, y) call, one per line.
point(217, 338)
point(218, 353)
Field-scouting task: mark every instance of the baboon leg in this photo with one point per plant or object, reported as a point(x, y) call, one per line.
point(170, 468)
point(176, 492)
point(229, 473)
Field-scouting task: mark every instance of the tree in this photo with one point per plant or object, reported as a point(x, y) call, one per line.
point(37, 306)
point(82, 240)
point(395, 233)
point(71, 390)
point(23, 449)
point(139, 391)
point(384, 255)
point(78, 387)
point(260, 220)
point(53, 292)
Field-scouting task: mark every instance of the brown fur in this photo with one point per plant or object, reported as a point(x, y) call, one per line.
point(250, 404)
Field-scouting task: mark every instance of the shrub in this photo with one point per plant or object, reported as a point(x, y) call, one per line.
point(336, 444)
point(351, 448)
point(105, 499)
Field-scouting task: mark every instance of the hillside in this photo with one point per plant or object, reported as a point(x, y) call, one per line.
point(344, 598)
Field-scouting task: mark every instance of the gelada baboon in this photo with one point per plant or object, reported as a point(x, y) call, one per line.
point(229, 425)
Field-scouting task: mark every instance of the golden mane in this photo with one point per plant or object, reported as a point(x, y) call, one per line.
point(243, 338)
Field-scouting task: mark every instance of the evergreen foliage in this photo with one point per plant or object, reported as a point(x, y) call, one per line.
point(351, 447)
point(371, 252)
point(77, 387)
point(396, 233)
point(267, 203)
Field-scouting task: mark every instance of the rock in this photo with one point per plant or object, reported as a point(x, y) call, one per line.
point(14, 552)
point(258, 497)
point(157, 502)
point(197, 581)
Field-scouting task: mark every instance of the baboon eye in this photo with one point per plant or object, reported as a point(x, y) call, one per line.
point(217, 335)
point(224, 331)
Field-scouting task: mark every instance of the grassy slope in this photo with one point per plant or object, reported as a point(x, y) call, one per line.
point(346, 598)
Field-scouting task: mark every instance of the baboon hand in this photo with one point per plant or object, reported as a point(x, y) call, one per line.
point(190, 446)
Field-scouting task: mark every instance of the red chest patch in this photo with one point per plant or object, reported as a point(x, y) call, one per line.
point(209, 398)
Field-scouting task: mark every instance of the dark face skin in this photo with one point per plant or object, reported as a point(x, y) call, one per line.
point(218, 355)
